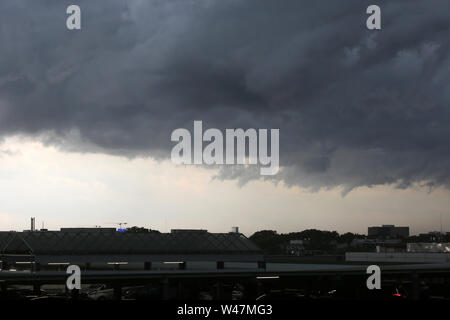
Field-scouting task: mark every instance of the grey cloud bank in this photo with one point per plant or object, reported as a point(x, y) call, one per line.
point(355, 107)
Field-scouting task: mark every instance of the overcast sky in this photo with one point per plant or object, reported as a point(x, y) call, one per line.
point(364, 115)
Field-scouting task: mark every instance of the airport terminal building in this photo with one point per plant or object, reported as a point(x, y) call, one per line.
point(105, 248)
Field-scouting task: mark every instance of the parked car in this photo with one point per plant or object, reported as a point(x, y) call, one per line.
point(101, 292)
point(142, 293)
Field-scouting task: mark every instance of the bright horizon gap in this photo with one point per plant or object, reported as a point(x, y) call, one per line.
point(68, 189)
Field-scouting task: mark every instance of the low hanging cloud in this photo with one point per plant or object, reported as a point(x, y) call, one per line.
point(355, 107)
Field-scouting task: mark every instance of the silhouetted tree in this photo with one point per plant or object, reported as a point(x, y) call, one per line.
point(140, 230)
point(269, 241)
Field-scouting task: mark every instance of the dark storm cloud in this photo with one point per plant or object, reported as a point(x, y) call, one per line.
point(354, 107)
